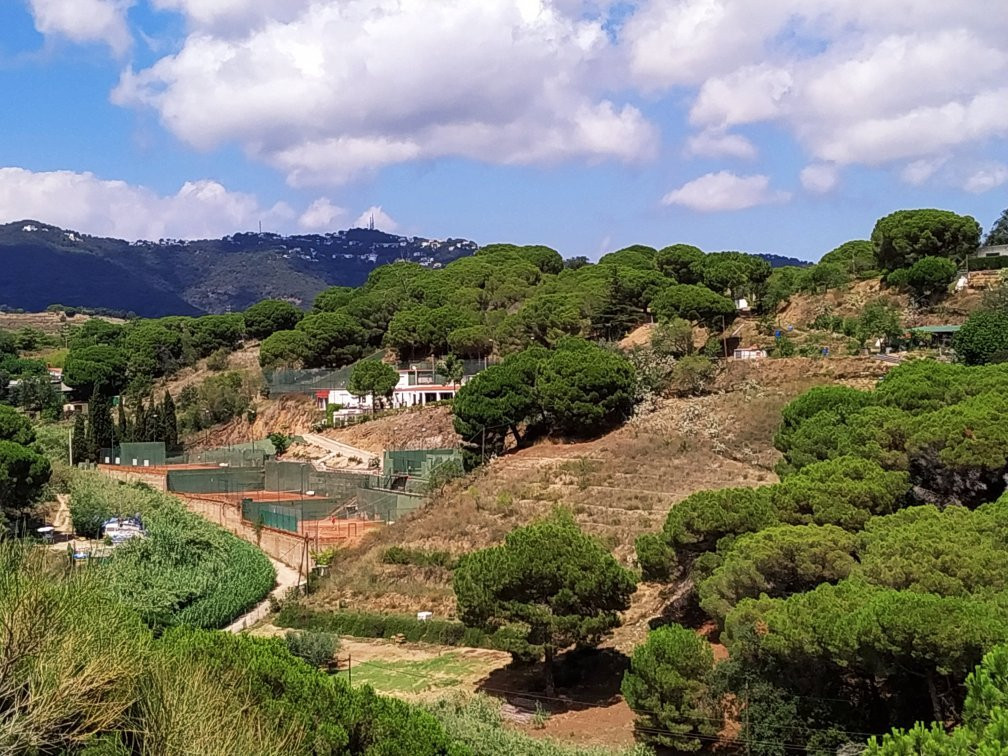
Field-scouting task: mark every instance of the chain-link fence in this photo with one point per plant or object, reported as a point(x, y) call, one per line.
point(216, 480)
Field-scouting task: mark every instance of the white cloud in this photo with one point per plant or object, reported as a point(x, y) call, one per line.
point(382, 220)
point(689, 41)
point(232, 17)
point(725, 191)
point(854, 82)
point(752, 93)
point(102, 21)
point(322, 215)
point(86, 203)
point(327, 90)
point(919, 171)
point(717, 143)
point(819, 178)
point(987, 178)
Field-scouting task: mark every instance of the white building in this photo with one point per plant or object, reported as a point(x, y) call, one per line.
point(750, 353)
point(417, 386)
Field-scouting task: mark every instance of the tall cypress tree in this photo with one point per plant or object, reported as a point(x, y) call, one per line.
point(123, 431)
point(170, 421)
point(79, 440)
point(140, 421)
point(155, 423)
point(100, 422)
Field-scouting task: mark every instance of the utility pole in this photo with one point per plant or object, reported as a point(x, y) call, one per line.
point(70, 446)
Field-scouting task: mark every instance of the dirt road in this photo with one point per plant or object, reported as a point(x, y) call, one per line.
point(287, 578)
point(336, 449)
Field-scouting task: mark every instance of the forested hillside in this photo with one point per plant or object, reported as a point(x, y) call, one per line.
point(46, 265)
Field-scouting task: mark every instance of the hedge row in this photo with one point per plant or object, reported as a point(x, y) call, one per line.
point(988, 263)
point(370, 625)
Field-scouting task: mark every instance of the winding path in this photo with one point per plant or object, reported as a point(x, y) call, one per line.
point(287, 578)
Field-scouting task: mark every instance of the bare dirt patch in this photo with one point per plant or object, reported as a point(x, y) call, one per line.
point(245, 360)
point(292, 415)
point(421, 428)
point(51, 323)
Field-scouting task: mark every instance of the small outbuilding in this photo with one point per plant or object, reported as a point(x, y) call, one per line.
point(941, 335)
point(750, 353)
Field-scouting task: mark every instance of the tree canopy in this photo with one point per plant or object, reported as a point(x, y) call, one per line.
point(697, 304)
point(373, 378)
point(551, 584)
point(269, 316)
point(998, 233)
point(668, 685)
point(905, 236)
point(983, 338)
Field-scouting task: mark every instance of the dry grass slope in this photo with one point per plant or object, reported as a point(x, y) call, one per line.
point(617, 486)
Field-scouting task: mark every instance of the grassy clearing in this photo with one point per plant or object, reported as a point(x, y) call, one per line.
point(444, 672)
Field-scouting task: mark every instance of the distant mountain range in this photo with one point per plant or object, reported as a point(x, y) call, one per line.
point(780, 261)
point(43, 265)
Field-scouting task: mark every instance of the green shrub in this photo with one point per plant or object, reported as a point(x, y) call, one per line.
point(281, 441)
point(219, 360)
point(419, 557)
point(315, 647)
point(370, 625)
point(667, 687)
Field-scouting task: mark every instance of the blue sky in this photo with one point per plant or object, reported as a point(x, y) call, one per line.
point(769, 126)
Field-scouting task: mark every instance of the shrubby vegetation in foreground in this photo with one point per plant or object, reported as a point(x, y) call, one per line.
point(186, 571)
point(80, 673)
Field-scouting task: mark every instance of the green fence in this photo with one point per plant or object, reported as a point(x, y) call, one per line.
point(295, 476)
point(216, 480)
point(281, 381)
point(252, 454)
point(147, 454)
point(271, 514)
point(418, 463)
point(385, 505)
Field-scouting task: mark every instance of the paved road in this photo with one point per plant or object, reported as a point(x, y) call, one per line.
point(287, 578)
point(336, 448)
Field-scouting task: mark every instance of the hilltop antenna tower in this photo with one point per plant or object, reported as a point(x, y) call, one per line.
point(371, 223)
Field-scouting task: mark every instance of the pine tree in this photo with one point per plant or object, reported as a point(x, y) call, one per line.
point(616, 315)
point(79, 440)
point(170, 420)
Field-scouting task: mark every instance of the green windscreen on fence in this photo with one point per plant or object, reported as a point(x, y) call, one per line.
point(271, 514)
point(418, 463)
point(147, 454)
point(294, 476)
point(216, 480)
point(388, 506)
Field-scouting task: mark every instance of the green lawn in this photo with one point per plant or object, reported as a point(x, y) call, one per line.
point(445, 671)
